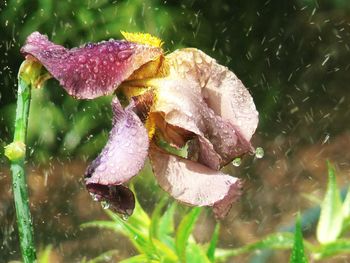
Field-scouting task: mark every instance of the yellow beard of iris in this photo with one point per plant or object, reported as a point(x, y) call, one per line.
point(144, 79)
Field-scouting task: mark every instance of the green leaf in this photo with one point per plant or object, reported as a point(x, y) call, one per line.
point(138, 238)
point(184, 231)
point(213, 243)
point(166, 223)
point(104, 224)
point(273, 241)
point(334, 248)
point(298, 254)
point(330, 223)
point(346, 225)
point(136, 259)
point(44, 255)
point(196, 254)
point(162, 249)
point(346, 205)
point(139, 219)
point(154, 227)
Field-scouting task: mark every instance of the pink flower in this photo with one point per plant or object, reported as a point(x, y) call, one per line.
point(185, 99)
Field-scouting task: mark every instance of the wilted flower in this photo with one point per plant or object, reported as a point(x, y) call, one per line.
point(185, 99)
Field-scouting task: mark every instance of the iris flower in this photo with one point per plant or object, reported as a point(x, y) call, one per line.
point(184, 99)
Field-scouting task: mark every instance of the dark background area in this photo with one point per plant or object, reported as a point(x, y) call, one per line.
point(294, 57)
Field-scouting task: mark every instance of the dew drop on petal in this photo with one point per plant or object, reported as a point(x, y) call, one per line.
point(94, 197)
point(259, 152)
point(81, 59)
point(237, 161)
point(111, 58)
point(125, 217)
point(105, 204)
point(123, 55)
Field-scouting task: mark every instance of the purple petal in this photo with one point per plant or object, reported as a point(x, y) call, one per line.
point(124, 154)
point(193, 183)
point(93, 70)
point(120, 198)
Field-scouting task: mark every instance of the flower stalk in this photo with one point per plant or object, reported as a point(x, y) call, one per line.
point(16, 154)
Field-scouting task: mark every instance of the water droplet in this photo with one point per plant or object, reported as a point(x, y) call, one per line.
point(94, 197)
point(89, 45)
point(105, 204)
point(101, 167)
point(133, 131)
point(125, 217)
point(123, 55)
point(111, 58)
point(81, 59)
point(198, 59)
point(237, 161)
point(259, 152)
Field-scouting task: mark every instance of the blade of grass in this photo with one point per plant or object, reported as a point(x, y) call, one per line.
point(138, 238)
point(331, 218)
point(213, 243)
point(346, 205)
point(104, 225)
point(166, 222)
point(298, 253)
point(273, 241)
point(196, 254)
point(184, 231)
point(156, 216)
point(44, 255)
point(163, 251)
point(337, 247)
point(136, 259)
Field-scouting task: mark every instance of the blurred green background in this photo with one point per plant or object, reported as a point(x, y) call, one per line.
point(294, 56)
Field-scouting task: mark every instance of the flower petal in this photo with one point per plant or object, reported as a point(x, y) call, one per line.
point(224, 93)
point(181, 104)
point(124, 154)
point(193, 183)
point(120, 199)
point(182, 99)
point(93, 70)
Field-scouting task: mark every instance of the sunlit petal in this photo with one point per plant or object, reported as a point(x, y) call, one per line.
point(92, 70)
point(124, 154)
point(185, 99)
point(193, 183)
point(224, 93)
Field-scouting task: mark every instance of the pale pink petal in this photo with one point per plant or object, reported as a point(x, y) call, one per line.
point(181, 104)
point(223, 122)
point(125, 152)
point(221, 89)
point(121, 159)
point(193, 183)
point(92, 70)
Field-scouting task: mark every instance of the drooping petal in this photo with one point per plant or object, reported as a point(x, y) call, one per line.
point(93, 70)
point(182, 100)
point(119, 198)
point(224, 93)
point(193, 183)
point(122, 157)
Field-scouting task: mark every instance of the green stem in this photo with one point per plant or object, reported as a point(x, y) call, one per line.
point(16, 153)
